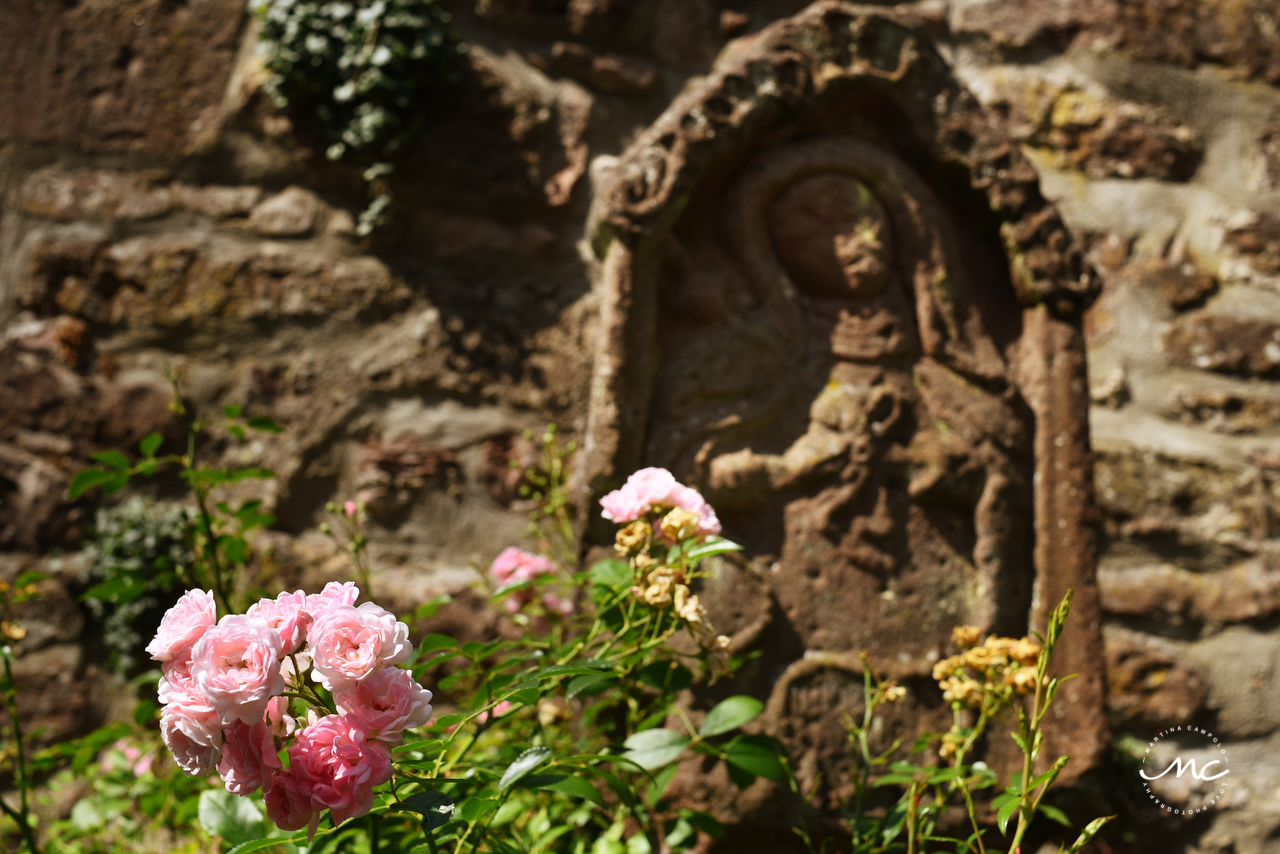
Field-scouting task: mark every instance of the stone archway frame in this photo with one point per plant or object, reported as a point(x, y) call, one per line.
point(758, 85)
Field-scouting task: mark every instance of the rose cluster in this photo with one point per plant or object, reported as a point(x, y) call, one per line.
point(229, 688)
point(657, 510)
point(652, 489)
point(514, 565)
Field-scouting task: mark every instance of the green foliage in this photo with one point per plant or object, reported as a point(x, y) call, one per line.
point(368, 71)
point(133, 561)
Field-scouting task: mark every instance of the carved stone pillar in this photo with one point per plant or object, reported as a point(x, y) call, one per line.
point(834, 299)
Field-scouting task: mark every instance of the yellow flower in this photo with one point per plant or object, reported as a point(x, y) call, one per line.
point(961, 690)
point(12, 631)
point(1025, 651)
point(720, 657)
point(947, 667)
point(688, 608)
point(894, 693)
point(632, 538)
point(680, 524)
point(1023, 680)
point(965, 636)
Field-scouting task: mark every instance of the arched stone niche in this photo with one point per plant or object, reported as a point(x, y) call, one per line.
point(834, 299)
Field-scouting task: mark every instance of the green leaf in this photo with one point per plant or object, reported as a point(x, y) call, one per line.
point(473, 809)
point(1054, 814)
point(232, 410)
point(654, 748)
point(574, 669)
point(1006, 812)
point(258, 845)
point(683, 832)
point(433, 642)
point(589, 684)
point(450, 720)
point(661, 780)
point(265, 424)
point(112, 459)
point(525, 762)
point(1090, 831)
point(613, 575)
point(757, 754)
point(705, 822)
point(87, 478)
point(730, 714)
point(665, 676)
point(578, 788)
point(151, 444)
point(232, 817)
point(144, 712)
point(712, 546)
point(894, 780)
point(436, 808)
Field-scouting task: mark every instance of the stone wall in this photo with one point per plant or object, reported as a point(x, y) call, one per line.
point(155, 210)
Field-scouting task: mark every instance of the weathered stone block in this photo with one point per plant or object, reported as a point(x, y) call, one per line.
point(1244, 346)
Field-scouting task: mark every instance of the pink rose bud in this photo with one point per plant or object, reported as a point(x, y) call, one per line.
point(350, 508)
point(237, 666)
point(183, 625)
point(193, 735)
point(498, 711)
point(287, 614)
point(248, 758)
point(337, 766)
point(278, 719)
point(385, 704)
point(348, 643)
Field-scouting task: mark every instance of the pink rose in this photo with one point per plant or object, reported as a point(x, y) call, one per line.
point(557, 605)
point(237, 666)
point(286, 614)
point(386, 704)
point(287, 806)
point(334, 593)
point(498, 711)
point(183, 625)
point(517, 565)
point(651, 488)
point(337, 765)
point(193, 734)
point(348, 643)
point(248, 758)
point(176, 682)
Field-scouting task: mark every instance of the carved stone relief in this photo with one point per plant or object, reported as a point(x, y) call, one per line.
point(834, 300)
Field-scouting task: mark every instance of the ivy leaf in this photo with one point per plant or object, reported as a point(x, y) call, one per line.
point(525, 763)
point(730, 714)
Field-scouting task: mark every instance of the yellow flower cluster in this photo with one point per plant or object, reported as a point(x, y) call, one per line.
point(997, 665)
point(662, 586)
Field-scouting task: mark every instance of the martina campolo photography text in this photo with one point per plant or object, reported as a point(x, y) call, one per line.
point(639, 427)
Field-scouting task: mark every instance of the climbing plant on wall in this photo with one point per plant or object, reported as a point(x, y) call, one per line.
point(365, 73)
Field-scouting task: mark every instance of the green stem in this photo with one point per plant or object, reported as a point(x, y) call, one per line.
point(211, 543)
point(1026, 809)
point(973, 815)
point(23, 814)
